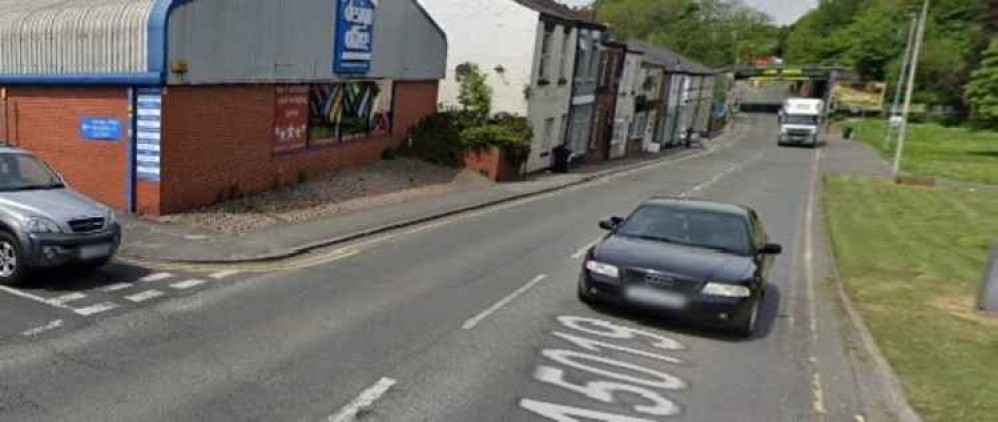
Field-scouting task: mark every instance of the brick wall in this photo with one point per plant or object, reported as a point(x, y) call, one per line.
point(45, 120)
point(220, 138)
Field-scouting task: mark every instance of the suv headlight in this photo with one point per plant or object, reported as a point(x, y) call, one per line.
point(42, 225)
point(726, 290)
point(600, 268)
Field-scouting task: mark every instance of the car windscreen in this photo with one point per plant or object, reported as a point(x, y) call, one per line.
point(691, 227)
point(792, 119)
point(19, 172)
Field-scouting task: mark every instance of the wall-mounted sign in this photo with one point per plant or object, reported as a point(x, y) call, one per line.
point(101, 128)
point(354, 36)
point(291, 119)
point(349, 111)
point(148, 124)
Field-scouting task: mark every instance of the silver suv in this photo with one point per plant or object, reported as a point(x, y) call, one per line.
point(44, 223)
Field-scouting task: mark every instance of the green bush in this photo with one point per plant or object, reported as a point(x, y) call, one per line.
point(436, 140)
point(510, 133)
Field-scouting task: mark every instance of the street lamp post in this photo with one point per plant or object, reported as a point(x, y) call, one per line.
point(911, 88)
point(901, 77)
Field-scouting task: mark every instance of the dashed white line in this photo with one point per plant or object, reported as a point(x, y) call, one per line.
point(585, 249)
point(144, 296)
point(189, 284)
point(364, 401)
point(117, 287)
point(155, 277)
point(47, 327)
point(224, 274)
point(72, 297)
point(96, 309)
point(471, 323)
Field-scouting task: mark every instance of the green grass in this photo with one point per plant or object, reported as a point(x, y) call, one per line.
point(912, 260)
point(957, 153)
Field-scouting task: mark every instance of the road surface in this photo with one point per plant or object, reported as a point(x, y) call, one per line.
point(470, 319)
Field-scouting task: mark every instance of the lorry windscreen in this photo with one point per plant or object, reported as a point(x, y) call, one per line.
point(800, 120)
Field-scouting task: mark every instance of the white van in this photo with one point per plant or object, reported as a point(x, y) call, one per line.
point(800, 121)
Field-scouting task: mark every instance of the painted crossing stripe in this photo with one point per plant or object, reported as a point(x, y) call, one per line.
point(96, 309)
point(72, 297)
point(144, 296)
point(224, 274)
point(189, 284)
point(117, 287)
point(155, 277)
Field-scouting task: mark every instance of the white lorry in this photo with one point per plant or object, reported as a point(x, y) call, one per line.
point(801, 120)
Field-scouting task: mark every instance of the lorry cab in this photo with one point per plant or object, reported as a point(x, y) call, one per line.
point(800, 122)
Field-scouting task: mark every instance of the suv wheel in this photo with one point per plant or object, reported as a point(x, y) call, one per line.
point(12, 269)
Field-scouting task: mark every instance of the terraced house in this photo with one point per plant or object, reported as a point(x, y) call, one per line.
point(160, 106)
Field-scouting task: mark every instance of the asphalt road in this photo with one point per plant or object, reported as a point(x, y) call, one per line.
point(470, 319)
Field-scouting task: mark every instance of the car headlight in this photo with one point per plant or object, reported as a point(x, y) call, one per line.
point(600, 268)
point(42, 225)
point(726, 290)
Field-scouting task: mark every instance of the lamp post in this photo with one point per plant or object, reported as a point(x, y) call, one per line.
point(911, 88)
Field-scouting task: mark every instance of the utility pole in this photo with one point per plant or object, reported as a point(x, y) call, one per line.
point(911, 87)
point(900, 86)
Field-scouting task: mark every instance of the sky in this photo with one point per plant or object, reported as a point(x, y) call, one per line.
point(782, 11)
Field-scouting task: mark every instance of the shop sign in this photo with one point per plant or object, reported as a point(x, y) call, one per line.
point(101, 128)
point(291, 119)
point(354, 46)
point(148, 125)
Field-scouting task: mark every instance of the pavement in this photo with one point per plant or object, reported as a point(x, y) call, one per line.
point(148, 240)
point(468, 317)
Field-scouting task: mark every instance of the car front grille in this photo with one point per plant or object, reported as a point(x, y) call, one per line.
point(86, 225)
point(797, 133)
point(661, 280)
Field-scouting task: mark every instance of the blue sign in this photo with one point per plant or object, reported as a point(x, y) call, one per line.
point(354, 36)
point(148, 130)
point(101, 128)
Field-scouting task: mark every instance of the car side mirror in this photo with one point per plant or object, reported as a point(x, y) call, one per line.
point(611, 224)
point(771, 249)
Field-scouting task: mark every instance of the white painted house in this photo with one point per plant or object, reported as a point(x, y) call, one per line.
point(623, 125)
point(527, 48)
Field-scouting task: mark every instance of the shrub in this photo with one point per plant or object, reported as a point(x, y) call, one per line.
point(510, 133)
point(436, 139)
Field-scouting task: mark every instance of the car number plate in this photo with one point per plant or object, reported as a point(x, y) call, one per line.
point(656, 297)
point(101, 250)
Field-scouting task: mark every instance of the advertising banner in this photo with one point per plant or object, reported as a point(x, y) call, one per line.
point(291, 119)
point(354, 36)
point(864, 96)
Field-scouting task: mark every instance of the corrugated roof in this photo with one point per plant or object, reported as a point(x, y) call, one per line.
point(672, 60)
point(58, 37)
point(560, 11)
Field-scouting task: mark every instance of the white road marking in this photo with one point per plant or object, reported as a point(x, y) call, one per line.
point(189, 284)
point(117, 287)
point(817, 389)
point(96, 309)
point(72, 297)
point(471, 323)
point(30, 296)
point(364, 401)
point(155, 277)
point(47, 327)
point(224, 274)
point(585, 249)
point(144, 296)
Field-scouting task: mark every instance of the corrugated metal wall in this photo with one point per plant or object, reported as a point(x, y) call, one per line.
point(73, 36)
point(245, 41)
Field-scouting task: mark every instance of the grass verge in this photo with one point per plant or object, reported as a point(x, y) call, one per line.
point(911, 259)
point(956, 153)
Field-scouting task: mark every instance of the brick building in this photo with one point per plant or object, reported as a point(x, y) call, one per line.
point(161, 106)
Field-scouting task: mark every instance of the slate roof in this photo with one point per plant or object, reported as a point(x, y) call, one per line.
point(560, 11)
point(672, 60)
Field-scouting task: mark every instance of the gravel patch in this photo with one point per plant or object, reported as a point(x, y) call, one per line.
point(383, 183)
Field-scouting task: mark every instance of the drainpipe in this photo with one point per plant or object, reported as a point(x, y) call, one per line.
point(132, 147)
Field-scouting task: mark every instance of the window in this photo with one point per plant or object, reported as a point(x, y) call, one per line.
point(548, 133)
point(566, 42)
point(604, 69)
point(21, 172)
point(542, 72)
point(697, 228)
point(564, 123)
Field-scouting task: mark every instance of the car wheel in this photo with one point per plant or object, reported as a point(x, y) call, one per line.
point(12, 267)
point(746, 328)
point(585, 296)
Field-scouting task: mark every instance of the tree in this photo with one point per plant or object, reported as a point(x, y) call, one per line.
point(982, 91)
point(475, 94)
